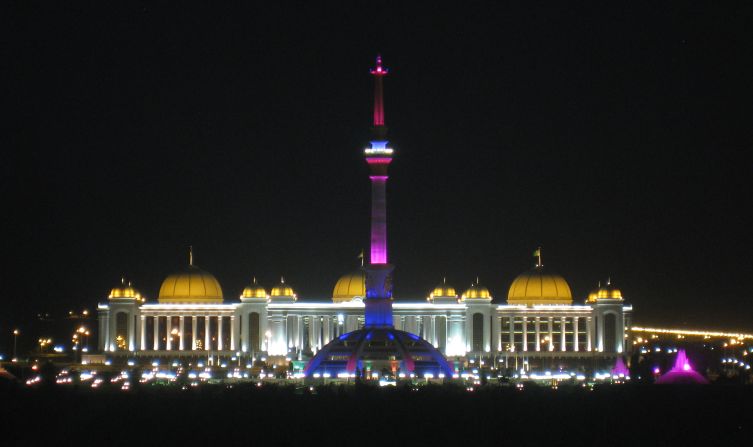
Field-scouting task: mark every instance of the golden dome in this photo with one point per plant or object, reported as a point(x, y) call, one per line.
point(443, 290)
point(282, 289)
point(536, 286)
point(254, 291)
point(126, 291)
point(608, 292)
point(476, 292)
point(349, 287)
point(191, 285)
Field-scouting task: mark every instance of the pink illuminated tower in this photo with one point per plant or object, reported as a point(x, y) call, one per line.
point(378, 156)
point(378, 345)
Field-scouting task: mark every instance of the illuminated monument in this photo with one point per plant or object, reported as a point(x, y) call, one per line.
point(379, 346)
point(538, 325)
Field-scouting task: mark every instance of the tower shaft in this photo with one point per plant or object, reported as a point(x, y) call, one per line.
point(378, 273)
point(378, 219)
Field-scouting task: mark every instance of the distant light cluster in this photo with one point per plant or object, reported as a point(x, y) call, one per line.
point(739, 336)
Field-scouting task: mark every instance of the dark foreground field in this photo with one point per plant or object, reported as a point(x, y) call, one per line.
point(607, 416)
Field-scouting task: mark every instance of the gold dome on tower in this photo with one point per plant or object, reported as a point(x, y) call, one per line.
point(254, 291)
point(476, 292)
point(604, 293)
point(538, 286)
point(350, 287)
point(443, 290)
point(282, 290)
point(126, 291)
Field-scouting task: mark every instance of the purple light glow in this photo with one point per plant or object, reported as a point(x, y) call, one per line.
point(379, 161)
point(682, 372)
point(620, 368)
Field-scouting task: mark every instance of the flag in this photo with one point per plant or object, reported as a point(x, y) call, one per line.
point(537, 253)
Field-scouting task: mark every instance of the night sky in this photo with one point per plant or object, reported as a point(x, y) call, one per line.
point(615, 137)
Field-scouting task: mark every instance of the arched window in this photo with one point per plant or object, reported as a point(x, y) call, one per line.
point(253, 332)
point(121, 331)
point(610, 333)
point(478, 333)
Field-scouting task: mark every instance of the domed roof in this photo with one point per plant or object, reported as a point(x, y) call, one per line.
point(191, 285)
point(282, 290)
point(126, 291)
point(377, 349)
point(476, 292)
point(602, 293)
point(443, 290)
point(350, 287)
point(254, 291)
point(537, 286)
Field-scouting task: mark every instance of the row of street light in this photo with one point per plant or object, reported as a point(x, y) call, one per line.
point(78, 340)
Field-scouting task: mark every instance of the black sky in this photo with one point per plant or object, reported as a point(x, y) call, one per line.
point(616, 137)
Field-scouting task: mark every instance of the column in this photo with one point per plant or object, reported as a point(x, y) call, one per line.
point(619, 321)
point(600, 333)
point(155, 319)
point(182, 335)
point(496, 329)
point(219, 333)
point(232, 332)
point(575, 334)
point(327, 330)
point(551, 333)
point(589, 336)
point(537, 323)
point(431, 335)
point(512, 333)
point(246, 332)
point(193, 332)
point(102, 332)
point(562, 334)
point(131, 332)
point(525, 333)
point(487, 333)
point(169, 334)
point(207, 335)
point(142, 327)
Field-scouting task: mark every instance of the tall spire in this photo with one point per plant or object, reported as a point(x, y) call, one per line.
point(379, 72)
point(378, 302)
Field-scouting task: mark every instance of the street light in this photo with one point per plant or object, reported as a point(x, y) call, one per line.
point(15, 344)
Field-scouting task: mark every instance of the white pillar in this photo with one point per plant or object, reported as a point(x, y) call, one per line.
point(589, 333)
point(219, 333)
point(131, 338)
point(169, 334)
point(182, 335)
point(537, 324)
point(155, 320)
point(551, 333)
point(142, 329)
point(327, 329)
point(245, 332)
point(575, 334)
point(525, 333)
point(193, 332)
point(562, 334)
point(232, 332)
point(496, 329)
point(207, 334)
point(512, 333)
point(600, 333)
